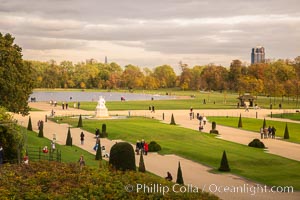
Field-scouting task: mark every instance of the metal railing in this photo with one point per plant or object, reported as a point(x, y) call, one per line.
point(37, 154)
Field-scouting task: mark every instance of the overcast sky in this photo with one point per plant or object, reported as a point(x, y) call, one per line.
point(149, 33)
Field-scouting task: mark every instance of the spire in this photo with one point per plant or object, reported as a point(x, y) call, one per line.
point(105, 61)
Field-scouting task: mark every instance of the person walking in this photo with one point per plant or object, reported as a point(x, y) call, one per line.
point(146, 148)
point(169, 177)
point(204, 120)
point(273, 132)
point(82, 137)
point(138, 147)
point(81, 161)
point(53, 146)
point(1, 155)
point(261, 133)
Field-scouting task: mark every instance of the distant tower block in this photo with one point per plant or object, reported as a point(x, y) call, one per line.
point(105, 61)
point(258, 55)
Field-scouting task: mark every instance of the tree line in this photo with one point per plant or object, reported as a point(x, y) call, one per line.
point(277, 78)
point(18, 77)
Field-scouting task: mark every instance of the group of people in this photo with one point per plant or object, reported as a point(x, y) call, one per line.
point(267, 132)
point(65, 105)
point(40, 124)
point(141, 147)
point(152, 109)
point(53, 103)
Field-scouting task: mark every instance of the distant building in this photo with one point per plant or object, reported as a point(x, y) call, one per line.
point(258, 55)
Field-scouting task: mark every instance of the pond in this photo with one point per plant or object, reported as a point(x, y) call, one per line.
point(92, 96)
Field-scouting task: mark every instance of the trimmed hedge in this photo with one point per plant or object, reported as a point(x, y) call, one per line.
point(154, 147)
point(256, 143)
point(122, 157)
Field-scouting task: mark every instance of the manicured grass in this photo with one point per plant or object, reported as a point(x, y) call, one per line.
point(292, 116)
point(158, 104)
point(252, 124)
point(68, 154)
point(216, 102)
point(204, 148)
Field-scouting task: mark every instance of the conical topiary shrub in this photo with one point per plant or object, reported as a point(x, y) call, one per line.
point(142, 164)
point(213, 128)
point(179, 179)
point(79, 122)
point(224, 167)
point(240, 125)
point(99, 151)
point(172, 120)
point(29, 127)
point(69, 138)
point(286, 132)
point(41, 129)
point(264, 123)
point(103, 133)
point(122, 157)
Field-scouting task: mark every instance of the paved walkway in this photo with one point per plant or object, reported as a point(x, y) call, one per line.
point(194, 173)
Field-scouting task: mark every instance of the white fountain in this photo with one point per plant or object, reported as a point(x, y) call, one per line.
point(101, 110)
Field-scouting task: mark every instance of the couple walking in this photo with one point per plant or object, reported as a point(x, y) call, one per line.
point(141, 147)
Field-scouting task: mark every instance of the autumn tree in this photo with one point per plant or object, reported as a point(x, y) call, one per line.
point(196, 77)
point(16, 83)
point(237, 69)
point(185, 77)
point(132, 77)
point(165, 75)
point(249, 84)
point(66, 71)
point(214, 77)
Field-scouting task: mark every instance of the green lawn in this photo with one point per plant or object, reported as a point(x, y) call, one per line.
point(69, 154)
point(251, 163)
point(158, 104)
point(292, 116)
point(252, 124)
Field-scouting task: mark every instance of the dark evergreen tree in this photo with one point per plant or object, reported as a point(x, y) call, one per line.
point(10, 136)
point(16, 77)
point(41, 129)
point(122, 156)
point(142, 167)
point(179, 179)
point(286, 132)
point(172, 120)
point(69, 138)
point(79, 122)
point(99, 151)
point(240, 125)
point(224, 167)
point(264, 123)
point(29, 127)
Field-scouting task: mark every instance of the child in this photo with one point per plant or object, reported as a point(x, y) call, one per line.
point(45, 149)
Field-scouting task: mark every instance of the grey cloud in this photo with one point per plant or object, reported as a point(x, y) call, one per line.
point(49, 43)
point(224, 27)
